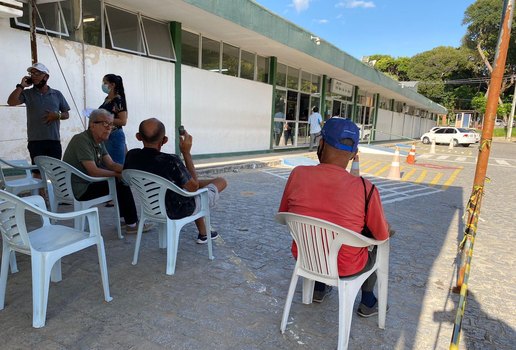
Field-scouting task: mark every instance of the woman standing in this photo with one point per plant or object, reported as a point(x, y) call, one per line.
point(115, 103)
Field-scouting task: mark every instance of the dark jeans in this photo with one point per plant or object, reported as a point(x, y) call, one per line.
point(369, 283)
point(51, 148)
point(123, 194)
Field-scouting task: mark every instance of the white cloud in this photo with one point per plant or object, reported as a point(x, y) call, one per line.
point(351, 4)
point(300, 5)
point(322, 21)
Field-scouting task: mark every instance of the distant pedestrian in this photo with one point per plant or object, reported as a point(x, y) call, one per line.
point(46, 107)
point(315, 121)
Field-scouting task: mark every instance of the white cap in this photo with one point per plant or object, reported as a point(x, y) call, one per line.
point(39, 66)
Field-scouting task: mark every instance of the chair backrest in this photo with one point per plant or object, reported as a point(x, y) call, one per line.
point(60, 175)
point(12, 221)
point(319, 241)
point(151, 190)
point(13, 164)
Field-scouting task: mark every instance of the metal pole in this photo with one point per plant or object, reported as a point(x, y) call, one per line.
point(33, 44)
point(511, 116)
point(474, 203)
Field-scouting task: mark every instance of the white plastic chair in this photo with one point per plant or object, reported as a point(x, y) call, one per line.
point(19, 185)
point(318, 243)
point(46, 246)
point(151, 190)
point(60, 173)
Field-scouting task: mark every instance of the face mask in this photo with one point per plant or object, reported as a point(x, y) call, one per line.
point(41, 83)
point(105, 88)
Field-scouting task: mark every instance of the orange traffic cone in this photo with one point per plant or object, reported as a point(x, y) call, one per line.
point(394, 172)
point(355, 166)
point(411, 158)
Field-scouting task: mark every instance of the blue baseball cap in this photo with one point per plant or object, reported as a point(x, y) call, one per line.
point(337, 129)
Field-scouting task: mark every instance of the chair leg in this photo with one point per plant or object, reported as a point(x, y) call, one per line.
point(118, 227)
point(308, 290)
point(347, 296)
point(383, 282)
point(14, 265)
point(4, 267)
point(40, 286)
point(138, 240)
point(288, 302)
point(172, 247)
point(56, 275)
point(103, 269)
point(207, 221)
point(162, 235)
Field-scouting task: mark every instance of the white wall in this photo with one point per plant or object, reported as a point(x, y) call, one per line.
point(384, 125)
point(393, 125)
point(149, 86)
point(225, 114)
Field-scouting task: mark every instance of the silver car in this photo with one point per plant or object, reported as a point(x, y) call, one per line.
point(447, 134)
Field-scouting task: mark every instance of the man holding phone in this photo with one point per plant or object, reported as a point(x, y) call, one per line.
point(169, 166)
point(46, 107)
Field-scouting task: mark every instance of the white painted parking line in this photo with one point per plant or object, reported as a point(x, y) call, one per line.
point(461, 159)
point(502, 162)
point(424, 156)
point(442, 157)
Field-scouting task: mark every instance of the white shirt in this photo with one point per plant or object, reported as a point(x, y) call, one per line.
point(315, 121)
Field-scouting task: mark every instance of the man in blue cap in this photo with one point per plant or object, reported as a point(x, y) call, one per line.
point(328, 192)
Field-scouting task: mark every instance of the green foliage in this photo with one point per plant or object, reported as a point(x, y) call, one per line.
point(483, 20)
point(478, 103)
point(396, 68)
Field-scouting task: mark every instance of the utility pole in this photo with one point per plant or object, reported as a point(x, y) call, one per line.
point(475, 200)
point(32, 19)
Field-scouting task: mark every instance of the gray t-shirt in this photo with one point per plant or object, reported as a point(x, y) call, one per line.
point(37, 106)
point(83, 147)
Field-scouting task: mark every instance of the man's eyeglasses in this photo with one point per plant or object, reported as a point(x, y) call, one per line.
point(104, 123)
point(36, 73)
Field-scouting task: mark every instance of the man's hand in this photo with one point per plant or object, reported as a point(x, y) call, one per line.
point(185, 143)
point(25, 81)
point(50, 117)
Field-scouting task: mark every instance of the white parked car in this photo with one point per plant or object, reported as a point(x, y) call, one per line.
point(447, 134)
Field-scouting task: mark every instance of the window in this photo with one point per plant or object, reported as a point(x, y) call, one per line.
point(52, 15)
point(210, 54)
point(262, 65)
point(158, 39)
point(384, 103)
point(247, 65)
point(91, 23)
point(306, 82)
point(124, 30)
point(315, 84)
point(230, 58)
point(281, 75)
point(292, 78)
point(190, 49)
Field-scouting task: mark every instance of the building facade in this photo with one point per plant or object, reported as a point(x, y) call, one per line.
point(240, 78)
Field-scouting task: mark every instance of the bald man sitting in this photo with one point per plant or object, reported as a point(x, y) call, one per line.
point(169, 166)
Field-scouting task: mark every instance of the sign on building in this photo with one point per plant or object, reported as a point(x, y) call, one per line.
point(341, 88)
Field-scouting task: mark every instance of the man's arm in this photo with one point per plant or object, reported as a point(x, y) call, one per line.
point(14, 97)
point(185, 146)
point(93, 170)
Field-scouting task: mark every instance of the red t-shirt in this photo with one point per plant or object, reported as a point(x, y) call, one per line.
point(330, 193)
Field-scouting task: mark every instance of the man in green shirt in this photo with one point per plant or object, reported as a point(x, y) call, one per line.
point(86, 152)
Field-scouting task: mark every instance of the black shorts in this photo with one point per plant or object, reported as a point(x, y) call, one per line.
point(49, 148)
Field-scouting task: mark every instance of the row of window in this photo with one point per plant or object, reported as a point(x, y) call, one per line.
point(105, 25)
point(218, 56)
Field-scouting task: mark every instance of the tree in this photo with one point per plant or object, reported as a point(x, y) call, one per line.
point(483, 19)
point(434, 67)
point(396, 68)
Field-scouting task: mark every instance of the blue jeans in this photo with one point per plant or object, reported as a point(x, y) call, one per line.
point(115, 146)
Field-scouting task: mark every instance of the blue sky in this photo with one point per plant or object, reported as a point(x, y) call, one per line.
point(392, 27)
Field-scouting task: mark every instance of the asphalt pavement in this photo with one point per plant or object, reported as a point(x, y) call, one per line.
point(236, 300)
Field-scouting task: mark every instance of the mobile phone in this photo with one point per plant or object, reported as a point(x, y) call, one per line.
point(29, 80)
point(181, 130)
